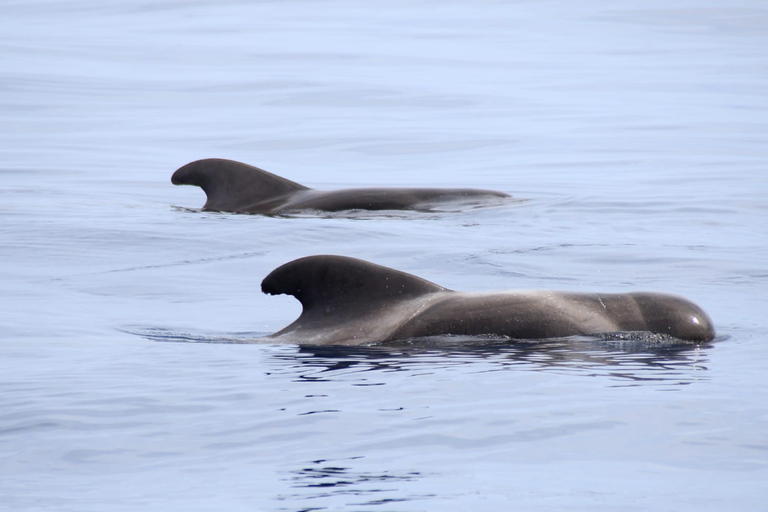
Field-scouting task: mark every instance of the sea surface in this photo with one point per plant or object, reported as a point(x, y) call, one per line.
point(635, 132)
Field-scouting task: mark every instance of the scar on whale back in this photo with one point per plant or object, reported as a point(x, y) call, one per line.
point(232, 186)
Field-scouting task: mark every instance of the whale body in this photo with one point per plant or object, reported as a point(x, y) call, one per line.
point(232, 186)
point(354, 302)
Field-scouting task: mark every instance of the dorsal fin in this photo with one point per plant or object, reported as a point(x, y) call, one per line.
point(233, 186)
point(330, 282)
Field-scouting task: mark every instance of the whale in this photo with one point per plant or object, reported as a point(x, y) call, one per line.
point(236, 187)
point(348, 301)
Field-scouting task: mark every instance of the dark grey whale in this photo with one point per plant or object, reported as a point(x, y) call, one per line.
point(348, 301)
point(237, 187)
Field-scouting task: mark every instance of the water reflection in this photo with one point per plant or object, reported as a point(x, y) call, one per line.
point(324, 479)
point(626, 358)
point(625, 363)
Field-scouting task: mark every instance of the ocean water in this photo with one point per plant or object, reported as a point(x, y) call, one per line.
point(635, 132)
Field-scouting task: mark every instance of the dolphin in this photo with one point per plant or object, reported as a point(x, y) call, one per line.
point(347, 301)
point(232, 186)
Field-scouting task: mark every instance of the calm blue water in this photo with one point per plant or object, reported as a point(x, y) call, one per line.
point(637, 134)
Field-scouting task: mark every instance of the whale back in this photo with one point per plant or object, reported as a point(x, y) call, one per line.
point(346, 297)
point(232, 186)
point(547, 314)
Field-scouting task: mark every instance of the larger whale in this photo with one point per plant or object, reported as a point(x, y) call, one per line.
point(354, 302)
point(232, 186)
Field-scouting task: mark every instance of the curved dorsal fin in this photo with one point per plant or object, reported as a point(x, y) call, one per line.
point(330, 282)
point(233, 186)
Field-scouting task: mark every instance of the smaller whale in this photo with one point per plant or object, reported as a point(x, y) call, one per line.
point(232, 186)
point(348, 301)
